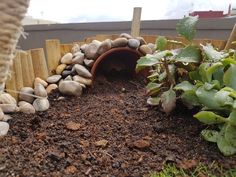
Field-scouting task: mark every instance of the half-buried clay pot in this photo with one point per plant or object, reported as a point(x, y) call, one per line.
point(121, 59)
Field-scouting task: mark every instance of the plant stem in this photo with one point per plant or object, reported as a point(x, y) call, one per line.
point(170, 77)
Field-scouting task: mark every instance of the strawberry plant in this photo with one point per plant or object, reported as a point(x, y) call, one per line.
point(169, 67)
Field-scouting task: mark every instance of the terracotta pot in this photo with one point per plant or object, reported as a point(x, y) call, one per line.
point(121, 58)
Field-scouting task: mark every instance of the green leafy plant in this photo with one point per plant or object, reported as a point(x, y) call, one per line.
point(169, 67)
point(213, 89)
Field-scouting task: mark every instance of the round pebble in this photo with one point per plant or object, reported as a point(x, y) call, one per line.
point(78, 58)
point(51, 87)
point(41, 104)
point(67, 58)
point(53, 79)
point(91, 51)
point(133, 43)
point(41, 81)
point(26, 107)
point(105, 46)
point(145, 49)
point(60, 68)
point(26, 94)
point(70, 88)
point(4, 127)
point(39, 90)
point(82, 80)
point(119, 42)
point(6, 98)
point(82, 71)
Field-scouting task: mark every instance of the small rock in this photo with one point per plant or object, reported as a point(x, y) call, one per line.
point(69, 67)
point(152, 46)
point(4, 127)
point(70, 88)
point(9, 108)
point(75, 48)
point(83, 47)
point(66, 73)
point(51, 87)
point(41, 104)
point(91, 51)
point(88, 62)
point(82, 71)
point(6, 98)
point(6, 117)
point(82, 85)
point(85, 143)
point(145, 49)
point(97, 42)
point(53, 79)
point(105, 46)
point(126, 35)
point(41, 81)
point(39, 90)
point(133, 43)
point(78, 58)
point(26, 107)
point(70, 169)
point(67, 58)
point(26, 94)
point(68, 78)
point(119, 42)
point(141, 144)
point(60, 68)
point(73, 126)
point(101, 143)
point(82, 80)
point(142, 41)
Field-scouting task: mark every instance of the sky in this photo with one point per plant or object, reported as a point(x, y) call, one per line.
point(72, 11)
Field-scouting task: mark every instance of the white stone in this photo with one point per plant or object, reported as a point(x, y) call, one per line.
point(26, 107)
point(82, 80)
point(91, 51)
point(78, 58)
point(82, 71)
point(67, 58)
point(88, 62)
point(26, 94)
point(60, 68)
point(41, 81)
point(6, 98)
point(51, 87)
point(9, 108)
point(105, 46)
point(39, 90)
point(54, 79)
point(70, 88)
point(4, 127)
point(41, 104)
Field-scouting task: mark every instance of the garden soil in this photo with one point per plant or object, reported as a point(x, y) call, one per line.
point(109, 131)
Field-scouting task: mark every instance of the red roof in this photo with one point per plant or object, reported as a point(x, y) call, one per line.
point(208, 14)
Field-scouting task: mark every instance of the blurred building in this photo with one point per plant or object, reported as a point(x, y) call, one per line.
point(28, 20)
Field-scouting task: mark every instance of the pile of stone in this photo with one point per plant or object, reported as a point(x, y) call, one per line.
point(72, 75)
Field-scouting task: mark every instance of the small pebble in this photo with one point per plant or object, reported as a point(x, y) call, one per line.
point(26, 107)
point(53, 79)
point(82, 71)
point(70, 88)
point(51, 87)
point(119, 42)
point(67, 58)
point(4, 127)
point(41, 81)
point(41, 104)
point(60, 68)
point(39, 90)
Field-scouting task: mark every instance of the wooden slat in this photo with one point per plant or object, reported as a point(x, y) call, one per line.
point(30, 66)
point(39, 63)
point(11, 83)
point(53, 49)
point(18, 71)
point(135, 26)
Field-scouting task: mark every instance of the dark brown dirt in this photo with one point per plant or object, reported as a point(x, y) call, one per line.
point(136, 138)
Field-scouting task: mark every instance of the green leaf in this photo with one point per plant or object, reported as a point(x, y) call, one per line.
point(162, 76)
point(209, 118)
point(154, 101)
point(168, 100)
point(207, 98)
point(232, 117)
point(161, 43)
point(222, 97)
point(213, 85)
point(205, 77)
point(218, 75)
point(184, 86)
point(186, 27)
point(228, 61)
point(212, 54)
point(230, 77)
point(210, 135)
point(230, 135)
point(153, 88)
point(190, 99)
point(189, 54)
point(213, 68)
point(194, 75)
point(224, 146)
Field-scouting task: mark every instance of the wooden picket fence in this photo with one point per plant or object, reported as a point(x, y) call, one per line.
point(39, 63)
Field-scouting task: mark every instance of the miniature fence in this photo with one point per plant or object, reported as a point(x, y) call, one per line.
point(33, 63)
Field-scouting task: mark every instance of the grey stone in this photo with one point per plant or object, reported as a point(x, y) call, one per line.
point(4, 127)
point(75, 48)
point(133, 43)
point(70, 88)
point(142, 40)
point(82, 71)
point(104, 46)
point(39, 90)
point(26, 94)
point(152, 46)
point(83, 47)
point(88, 62)
point(67, 58)
point(68, 78)
point(119, 42)
point(91, 51)
point(126, 35)
point(26, 107)
point(41, 104)
point(66, 73)
point(78, 58)
point(53, 79)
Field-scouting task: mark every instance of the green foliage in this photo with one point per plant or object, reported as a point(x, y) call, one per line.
point(186, 27)
point(202, 77)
